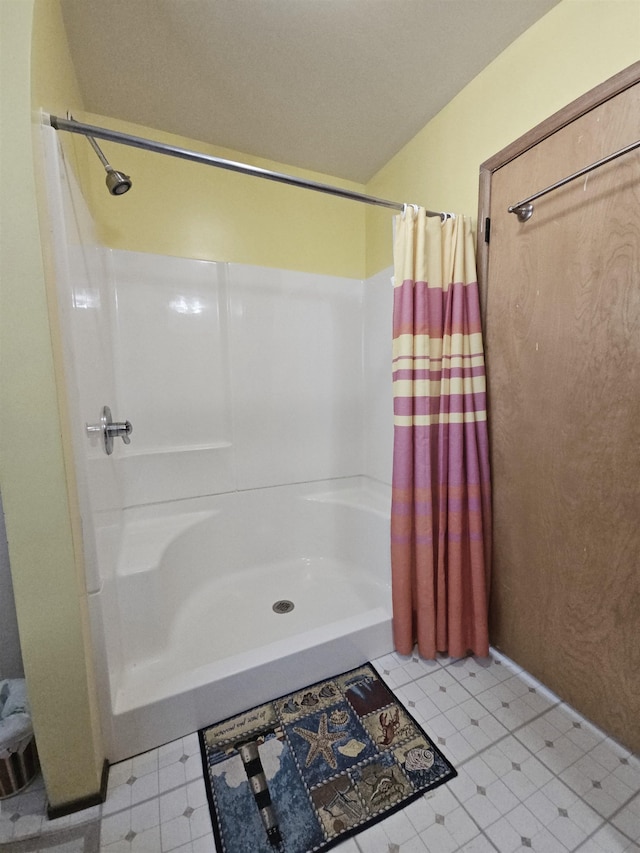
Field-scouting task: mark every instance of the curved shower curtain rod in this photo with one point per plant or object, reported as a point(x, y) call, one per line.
point(90, 131)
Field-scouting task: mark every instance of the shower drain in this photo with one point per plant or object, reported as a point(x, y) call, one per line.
point(283, 606)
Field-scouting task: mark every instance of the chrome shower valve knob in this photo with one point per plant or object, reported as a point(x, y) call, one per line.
point(111, 429)
point(122, 429)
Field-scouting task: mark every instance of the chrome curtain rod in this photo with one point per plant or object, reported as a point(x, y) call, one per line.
point(73, 126)
point(524, 209)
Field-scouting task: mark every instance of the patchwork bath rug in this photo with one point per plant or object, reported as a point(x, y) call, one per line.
point(308, 770)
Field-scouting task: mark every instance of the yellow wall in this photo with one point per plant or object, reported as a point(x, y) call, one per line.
point(190, 210)
point(47, 579)
point(576, 46)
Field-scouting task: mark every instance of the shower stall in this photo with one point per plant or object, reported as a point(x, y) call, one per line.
point(237, 541)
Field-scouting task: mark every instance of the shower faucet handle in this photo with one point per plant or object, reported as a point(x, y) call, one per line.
point(111, 429)
point(122, 429)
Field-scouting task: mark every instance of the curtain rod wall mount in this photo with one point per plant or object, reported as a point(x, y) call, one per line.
point(72, 126)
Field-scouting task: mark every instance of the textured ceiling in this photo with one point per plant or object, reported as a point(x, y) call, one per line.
point(338, 86)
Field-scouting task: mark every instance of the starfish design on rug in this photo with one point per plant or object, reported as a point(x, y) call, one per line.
point(321, 742)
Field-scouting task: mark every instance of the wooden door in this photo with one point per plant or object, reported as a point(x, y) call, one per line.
point(562, 326)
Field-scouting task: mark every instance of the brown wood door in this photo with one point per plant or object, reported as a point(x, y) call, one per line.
point(562, 327)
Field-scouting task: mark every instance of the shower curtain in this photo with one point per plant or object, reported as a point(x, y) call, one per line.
point(441, 504)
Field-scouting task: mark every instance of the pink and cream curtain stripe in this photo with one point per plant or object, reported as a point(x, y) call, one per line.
point(441, 502)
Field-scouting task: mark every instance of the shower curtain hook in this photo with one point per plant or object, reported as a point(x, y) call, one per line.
point(414, 210)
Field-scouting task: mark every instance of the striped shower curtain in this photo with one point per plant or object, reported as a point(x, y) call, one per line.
point(441, 504)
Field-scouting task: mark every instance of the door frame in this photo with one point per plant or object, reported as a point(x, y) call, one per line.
point(582, 105)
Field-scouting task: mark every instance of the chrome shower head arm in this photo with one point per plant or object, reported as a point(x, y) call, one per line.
point(98, 151)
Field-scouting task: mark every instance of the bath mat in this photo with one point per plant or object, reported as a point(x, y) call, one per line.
point(308, 770)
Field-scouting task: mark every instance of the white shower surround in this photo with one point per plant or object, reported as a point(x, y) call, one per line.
point(260, 401)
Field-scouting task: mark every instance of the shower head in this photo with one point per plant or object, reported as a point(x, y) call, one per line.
point(117, 182)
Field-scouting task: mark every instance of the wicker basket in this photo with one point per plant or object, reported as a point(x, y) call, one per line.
point(18, 756)
point(18, 769)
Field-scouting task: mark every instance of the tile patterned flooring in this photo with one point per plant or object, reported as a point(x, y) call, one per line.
point(533, 776)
